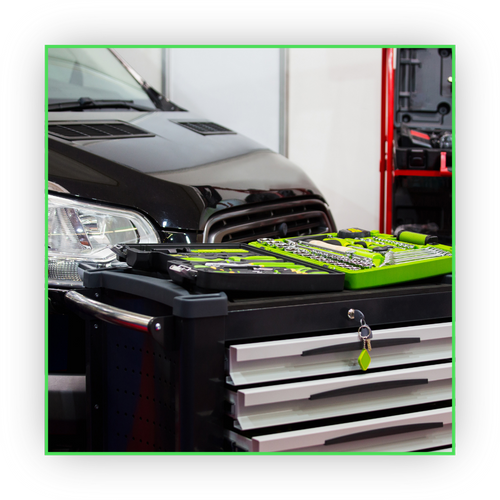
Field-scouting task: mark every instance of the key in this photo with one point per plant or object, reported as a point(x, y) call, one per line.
point(364, 359)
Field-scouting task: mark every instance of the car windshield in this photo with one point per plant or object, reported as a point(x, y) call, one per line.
point(94, 73)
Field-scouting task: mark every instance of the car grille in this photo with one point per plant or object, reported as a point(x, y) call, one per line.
point(298, 218)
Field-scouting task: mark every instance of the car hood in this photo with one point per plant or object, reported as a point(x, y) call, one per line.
point(176, 176)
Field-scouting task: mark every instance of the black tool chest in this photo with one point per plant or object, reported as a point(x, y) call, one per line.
point(170, 369)
point(423, 149)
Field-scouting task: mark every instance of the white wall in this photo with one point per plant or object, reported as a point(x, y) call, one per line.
point(334, 128)
point(237, 88)
point(333, 114)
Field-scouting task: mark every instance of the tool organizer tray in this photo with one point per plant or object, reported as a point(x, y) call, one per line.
point(231, 267)
point(374, 260)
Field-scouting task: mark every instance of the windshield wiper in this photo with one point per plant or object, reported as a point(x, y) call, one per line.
point(88, 103)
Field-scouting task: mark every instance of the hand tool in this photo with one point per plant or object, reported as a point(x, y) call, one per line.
point(353, 232)
point(360, 253)
point(416, 238)
point(393, 258)
point(356, 244)
point(288, 265)
point(344, 242)
point(395, 243)
point(359, 250)
point(333, 248)
point(351, 257)
point(303, 249)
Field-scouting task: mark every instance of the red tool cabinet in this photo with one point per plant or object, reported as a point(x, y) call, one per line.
point(416, 179)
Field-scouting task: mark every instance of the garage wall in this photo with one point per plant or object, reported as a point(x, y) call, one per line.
point(333, 110)
point(238, 88)
point(334, 128)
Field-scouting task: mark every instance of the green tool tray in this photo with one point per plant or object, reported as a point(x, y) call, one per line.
point(378, 275)
point(231, 267)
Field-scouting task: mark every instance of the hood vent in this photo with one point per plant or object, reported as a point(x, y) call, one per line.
point(205, 128)
point(299, 217)
point(85, 131)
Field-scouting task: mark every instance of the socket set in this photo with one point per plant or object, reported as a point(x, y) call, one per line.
point(233, 267)
point(368, 258)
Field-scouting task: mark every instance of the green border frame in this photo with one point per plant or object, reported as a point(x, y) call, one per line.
point(438, 453)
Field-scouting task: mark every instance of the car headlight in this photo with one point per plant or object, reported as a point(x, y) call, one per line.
point(85, 232)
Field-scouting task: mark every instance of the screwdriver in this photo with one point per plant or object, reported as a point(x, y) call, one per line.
point(416, 238)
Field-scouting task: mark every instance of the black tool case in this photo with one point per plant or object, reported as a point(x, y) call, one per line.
point(175, 370)
point(260, 271)
point(422, 141)
point(423, 104)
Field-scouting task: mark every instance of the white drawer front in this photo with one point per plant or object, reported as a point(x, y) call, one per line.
point(400, 433)
point(287, 359)
point(303, 401)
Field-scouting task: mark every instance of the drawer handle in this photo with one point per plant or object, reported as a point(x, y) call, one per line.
point(108, 313)
point(354, 346)
point(377, 386)
point(386, 431)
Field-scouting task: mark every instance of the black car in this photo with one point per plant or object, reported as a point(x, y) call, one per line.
point(125, 165)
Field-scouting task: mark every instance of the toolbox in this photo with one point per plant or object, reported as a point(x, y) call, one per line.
point(173, 367)
point(353, 258)
point(377, 259)
point(423, 147)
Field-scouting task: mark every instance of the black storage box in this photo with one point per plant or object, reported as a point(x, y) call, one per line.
point(423, 109)
point(422, 186)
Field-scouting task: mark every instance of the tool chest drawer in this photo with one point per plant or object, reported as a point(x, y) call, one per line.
point(292, 403)
point(422, 431)
point(261, 362)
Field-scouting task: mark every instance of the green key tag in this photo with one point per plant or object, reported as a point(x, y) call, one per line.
point(364, 358)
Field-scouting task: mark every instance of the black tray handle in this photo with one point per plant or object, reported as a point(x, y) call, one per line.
point(161, 290)
point(358, 345)
point(386, 431)
point(377, 386)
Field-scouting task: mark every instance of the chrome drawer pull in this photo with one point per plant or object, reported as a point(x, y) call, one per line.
point(354, 346)
point(387, 431)
point(378, 386)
